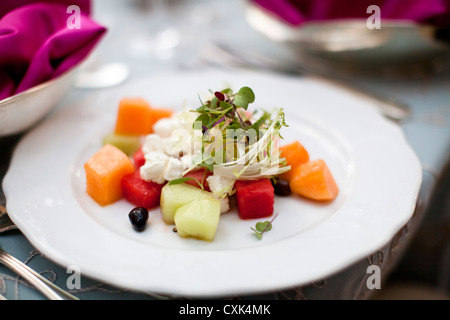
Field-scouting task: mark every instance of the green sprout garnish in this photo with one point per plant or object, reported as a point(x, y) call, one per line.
point(262, 227)
point(226, 107)
point(236, 142)
point(183, 180)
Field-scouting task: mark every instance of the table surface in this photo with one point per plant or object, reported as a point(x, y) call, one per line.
point(198, 22)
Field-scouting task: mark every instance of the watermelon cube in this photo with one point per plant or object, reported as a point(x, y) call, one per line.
point(139, 158)
point(140, 192)
point(254, 198)
point(199, 175)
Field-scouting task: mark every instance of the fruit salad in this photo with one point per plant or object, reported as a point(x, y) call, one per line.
point(192, 163)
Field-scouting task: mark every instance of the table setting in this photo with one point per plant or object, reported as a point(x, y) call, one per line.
point(363, 86)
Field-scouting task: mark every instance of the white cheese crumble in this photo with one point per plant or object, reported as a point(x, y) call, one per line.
point(165, 126)
point(224, 204)
point(188, 160)
point(152, 143)
point(174, 169)
point(154, 167)
point(220, 186)
point(171, 150)
point(164, 149)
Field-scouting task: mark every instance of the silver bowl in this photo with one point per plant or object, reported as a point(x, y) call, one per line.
point(348, 45)
point(23, 110)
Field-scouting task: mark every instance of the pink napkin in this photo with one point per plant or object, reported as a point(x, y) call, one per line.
point(9, 5)
point(296, 12)
point(37, 45)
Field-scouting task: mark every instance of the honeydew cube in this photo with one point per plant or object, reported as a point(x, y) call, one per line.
point(175, 196)
point(198, 219)
point(129, 144)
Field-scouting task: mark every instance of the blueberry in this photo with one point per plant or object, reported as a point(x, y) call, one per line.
point(281, 187)
point(138, 217)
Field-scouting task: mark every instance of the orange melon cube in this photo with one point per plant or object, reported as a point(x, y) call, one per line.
point(314, 180)
point(104, 172)
point(157, 114)
point(295, 154)
point(133, 117)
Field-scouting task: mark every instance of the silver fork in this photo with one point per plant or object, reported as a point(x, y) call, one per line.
point(220, 54)
point(49, 289)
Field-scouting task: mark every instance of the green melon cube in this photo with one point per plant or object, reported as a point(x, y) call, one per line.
point(174, 196)
point(198, 219)
point(127, 143)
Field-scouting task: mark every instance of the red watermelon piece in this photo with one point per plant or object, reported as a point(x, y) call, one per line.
point(140, 192)
point(254, 198)
point(200, 175)
point(139, 158)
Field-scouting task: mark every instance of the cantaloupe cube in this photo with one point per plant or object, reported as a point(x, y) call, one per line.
point(314, 180)
point(104, 172)
point(137, 117)
point(295, 154)
point(133, 117)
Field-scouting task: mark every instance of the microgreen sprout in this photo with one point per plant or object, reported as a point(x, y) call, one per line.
point(237, 154)
point(183, 180)
point(262, 227)
point(225, 105)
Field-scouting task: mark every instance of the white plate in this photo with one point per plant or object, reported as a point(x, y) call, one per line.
point(378, 174)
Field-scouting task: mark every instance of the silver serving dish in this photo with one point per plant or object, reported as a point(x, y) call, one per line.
point(23, 110)
point(350, 46)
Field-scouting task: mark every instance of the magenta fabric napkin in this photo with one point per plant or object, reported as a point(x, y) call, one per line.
point(9, 5)
point(297, 12)
point(36, 44)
